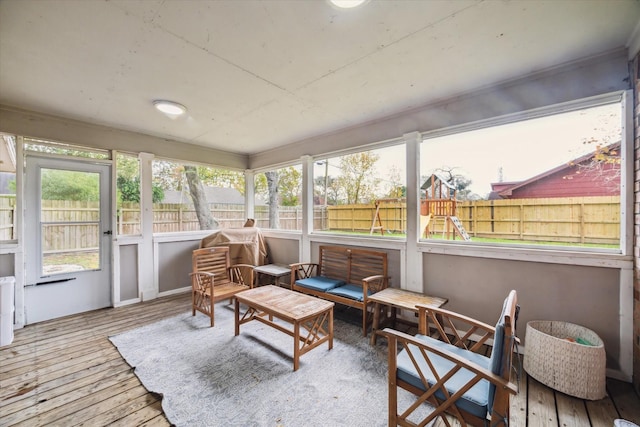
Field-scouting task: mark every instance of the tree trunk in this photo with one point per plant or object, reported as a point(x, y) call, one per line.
point(196, 189)
point(272, 186)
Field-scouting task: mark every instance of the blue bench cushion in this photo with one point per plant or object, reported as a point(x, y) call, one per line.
point(474, 401)
point(320, 283)
point(495, 363)
point(349, 291)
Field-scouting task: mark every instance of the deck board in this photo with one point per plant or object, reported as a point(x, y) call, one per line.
point(541, 404)
point(571, 411)
point(66, 372)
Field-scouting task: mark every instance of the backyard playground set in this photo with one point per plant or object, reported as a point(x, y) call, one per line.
point(438, 207)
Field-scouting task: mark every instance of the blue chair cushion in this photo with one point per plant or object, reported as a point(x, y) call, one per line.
point(495, 364)
point(349, 291)
point(320, 283)
point(474, 401)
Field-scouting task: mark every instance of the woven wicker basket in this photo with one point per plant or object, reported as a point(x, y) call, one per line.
point(572, 368)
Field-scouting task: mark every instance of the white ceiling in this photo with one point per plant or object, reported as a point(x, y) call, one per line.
point(256, 75)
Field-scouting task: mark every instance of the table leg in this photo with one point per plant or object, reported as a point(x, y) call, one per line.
point(237, 315)
point(394, 313)
point(330, 328)
point(296, 345)
point(375, 324)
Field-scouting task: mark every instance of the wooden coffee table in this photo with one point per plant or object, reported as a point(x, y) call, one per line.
point(398, 298)
point(313, 316)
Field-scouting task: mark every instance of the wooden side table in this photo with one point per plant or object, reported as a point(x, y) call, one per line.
point(274, 270)
point(398, 298)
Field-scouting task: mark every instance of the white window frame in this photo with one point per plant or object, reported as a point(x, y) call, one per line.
point(618, 258)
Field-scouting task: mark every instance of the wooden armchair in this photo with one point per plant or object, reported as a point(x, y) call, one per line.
point(452, 372)
point(214, 279)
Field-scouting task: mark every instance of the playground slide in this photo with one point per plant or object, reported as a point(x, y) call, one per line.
point(424, 223)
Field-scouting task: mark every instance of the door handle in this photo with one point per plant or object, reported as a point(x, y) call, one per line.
point(107, 233)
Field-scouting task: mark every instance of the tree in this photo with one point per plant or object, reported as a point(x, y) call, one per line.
point(289, 186)
point(221, 178)
point(358, 180)
point(199, 198)
point(602, 164)
point(70, 185)
point(460, 182)
point(334, 192)
point(128, 181)
point(272, 186)
point(167, 175)
point(397, 190)
point(129, 190)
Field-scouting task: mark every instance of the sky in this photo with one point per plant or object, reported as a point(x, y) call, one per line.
point(523, 150)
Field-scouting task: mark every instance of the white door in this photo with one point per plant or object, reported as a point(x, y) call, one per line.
point(68, 237)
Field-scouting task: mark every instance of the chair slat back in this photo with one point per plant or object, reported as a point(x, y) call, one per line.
point(214, 260)
point(332, 262)
point(351, 265)
point(367, 263)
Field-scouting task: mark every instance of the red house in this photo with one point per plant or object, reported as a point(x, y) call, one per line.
point(589, 175)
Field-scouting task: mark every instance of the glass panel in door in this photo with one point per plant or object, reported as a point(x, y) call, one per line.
point(69, 221)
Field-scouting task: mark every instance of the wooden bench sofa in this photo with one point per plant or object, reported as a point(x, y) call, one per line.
point(343, 275)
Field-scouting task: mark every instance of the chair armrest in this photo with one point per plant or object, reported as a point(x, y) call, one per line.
point(374, 283)
point(237, 274)
point(204, 275)
point(302, 270)
point(300, 265)
point(454, 328)
point(201, 281)
point(397, 337)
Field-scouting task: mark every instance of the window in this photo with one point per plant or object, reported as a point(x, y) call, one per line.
point(128, 194)
point(50, 147)
point(552, 181)
point(8, 213)
point(362, 193)
point(282, 190)
point(189, 197)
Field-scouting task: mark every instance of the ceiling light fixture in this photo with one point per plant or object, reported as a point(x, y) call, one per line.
point(347, 4)
point(169, 107)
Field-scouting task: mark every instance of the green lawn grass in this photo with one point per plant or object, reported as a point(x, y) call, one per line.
point(88, 260)
point(479, 240)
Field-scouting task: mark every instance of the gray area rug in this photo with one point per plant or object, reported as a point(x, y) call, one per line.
point(209, 377)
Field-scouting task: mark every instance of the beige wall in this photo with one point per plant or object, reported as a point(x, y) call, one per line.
point(587, 296)
point(174, 264)
point(282, 251)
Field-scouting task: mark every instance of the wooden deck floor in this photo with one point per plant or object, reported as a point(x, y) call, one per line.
point(66, 372)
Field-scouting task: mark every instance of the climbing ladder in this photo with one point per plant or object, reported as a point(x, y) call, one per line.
point(376, 218)
point(459, 228)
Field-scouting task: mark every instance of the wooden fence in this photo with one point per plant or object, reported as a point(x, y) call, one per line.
point(69, 225)
point(359, 218)
point(594, 220)
point(7, 217)
point(568, 220)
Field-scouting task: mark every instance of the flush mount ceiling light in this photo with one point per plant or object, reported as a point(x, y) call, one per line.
point(347, 4)
point(169, 107)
